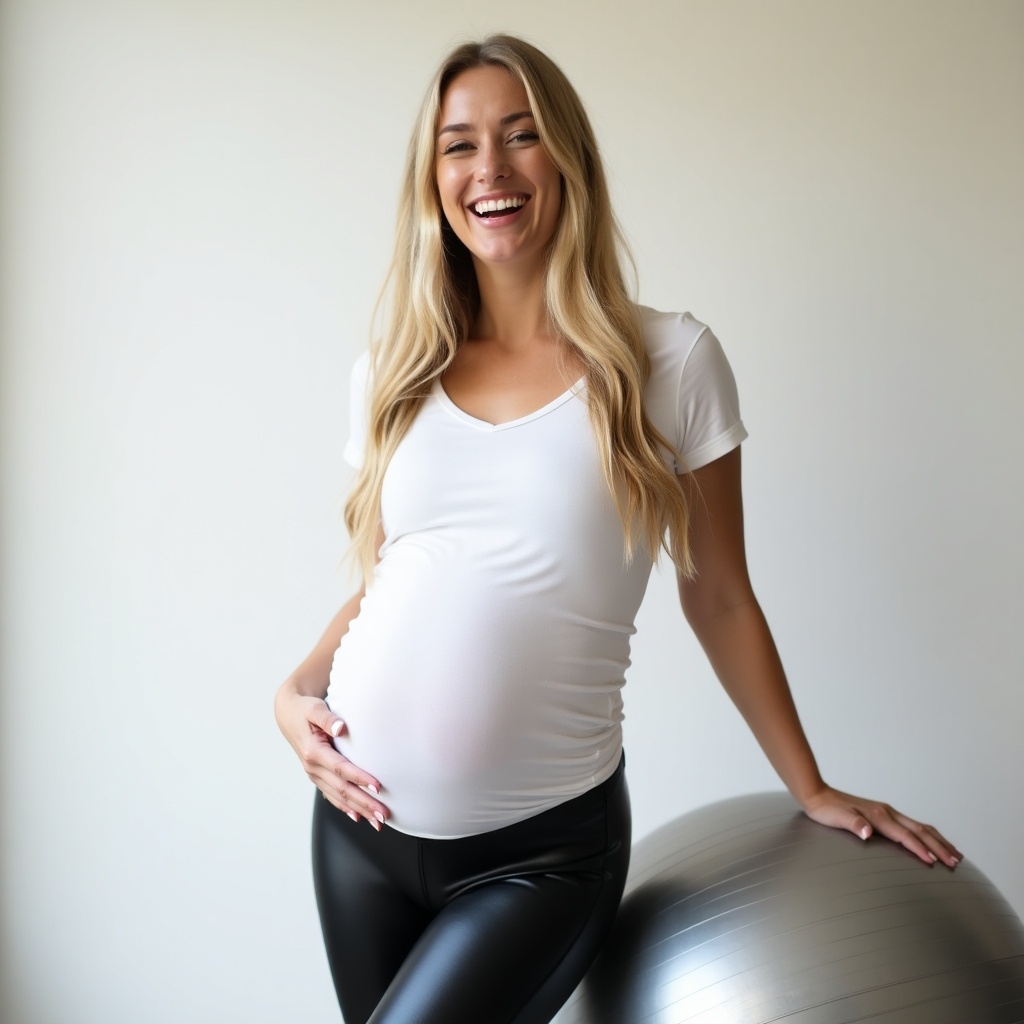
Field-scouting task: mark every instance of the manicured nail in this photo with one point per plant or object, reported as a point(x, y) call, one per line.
point(353, 815)
point(865, 832)
point(379, 817)
point(373, 789)
point(933, 857)
point(336, 727)
point(375, 824)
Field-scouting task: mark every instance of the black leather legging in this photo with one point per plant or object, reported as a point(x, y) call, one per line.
point(495, 928)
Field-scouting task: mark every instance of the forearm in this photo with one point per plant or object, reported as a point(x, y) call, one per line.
point(741, 650)
point(311, 677)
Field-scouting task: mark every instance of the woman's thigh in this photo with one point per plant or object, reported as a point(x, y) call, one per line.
point(369, 920)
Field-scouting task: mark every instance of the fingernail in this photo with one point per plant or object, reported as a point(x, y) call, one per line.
point(353, 815)
point(373, 789)
point(933, 857)
point(379, 816)
point(865, 832)
point(375, 824)
point(336, 727)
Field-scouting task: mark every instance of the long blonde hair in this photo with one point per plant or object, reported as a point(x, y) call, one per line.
point(430, 299)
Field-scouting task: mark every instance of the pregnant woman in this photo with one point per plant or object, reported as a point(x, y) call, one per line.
point(526, 439)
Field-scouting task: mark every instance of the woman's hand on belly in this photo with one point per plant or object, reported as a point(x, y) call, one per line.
point(309, 725)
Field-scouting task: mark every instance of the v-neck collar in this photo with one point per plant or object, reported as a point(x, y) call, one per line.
point(442, 396)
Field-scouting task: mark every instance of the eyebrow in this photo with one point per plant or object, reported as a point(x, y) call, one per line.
point(464, 127)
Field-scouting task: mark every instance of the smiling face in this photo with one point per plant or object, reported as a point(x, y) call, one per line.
point(499, 189)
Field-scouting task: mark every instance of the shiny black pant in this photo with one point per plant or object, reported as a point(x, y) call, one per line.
point(496, 928)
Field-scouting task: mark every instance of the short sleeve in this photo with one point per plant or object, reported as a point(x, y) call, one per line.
point(708, 423)
point(355, 447)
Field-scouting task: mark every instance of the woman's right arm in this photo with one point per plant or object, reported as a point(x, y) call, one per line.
point(309, 726)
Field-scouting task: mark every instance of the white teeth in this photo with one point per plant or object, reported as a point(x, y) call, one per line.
point(493, 205)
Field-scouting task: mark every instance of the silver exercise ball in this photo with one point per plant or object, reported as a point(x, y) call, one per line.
point(745, 912)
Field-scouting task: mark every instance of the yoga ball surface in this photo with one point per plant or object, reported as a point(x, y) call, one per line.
point(746, 911)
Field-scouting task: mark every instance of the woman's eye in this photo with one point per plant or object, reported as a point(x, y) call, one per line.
point(524, 136)
point(456, 147)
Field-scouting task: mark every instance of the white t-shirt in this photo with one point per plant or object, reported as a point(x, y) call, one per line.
point(481, 680)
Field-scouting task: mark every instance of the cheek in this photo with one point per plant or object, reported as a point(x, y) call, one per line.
point(556, 191)
point(547, 174)
point(448, 190)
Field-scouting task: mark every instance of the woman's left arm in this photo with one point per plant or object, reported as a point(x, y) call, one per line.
point(721, 608)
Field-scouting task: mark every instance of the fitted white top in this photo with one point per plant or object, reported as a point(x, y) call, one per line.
point(481, 680)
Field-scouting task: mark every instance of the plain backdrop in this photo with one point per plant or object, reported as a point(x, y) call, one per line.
point(198, 203)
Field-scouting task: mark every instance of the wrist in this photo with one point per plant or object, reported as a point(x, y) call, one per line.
point(303, 684)
point(803, 780)
point(809, 793)
point(288, 691)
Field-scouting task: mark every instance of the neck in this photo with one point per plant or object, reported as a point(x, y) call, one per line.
point(512, 307)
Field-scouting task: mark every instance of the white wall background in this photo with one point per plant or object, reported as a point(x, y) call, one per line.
point(198, 198)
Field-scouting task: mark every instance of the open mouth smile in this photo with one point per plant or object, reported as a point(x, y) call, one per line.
point(498, 209)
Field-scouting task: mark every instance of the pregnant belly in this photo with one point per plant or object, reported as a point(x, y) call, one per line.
point(449, 733)
point(475, 705)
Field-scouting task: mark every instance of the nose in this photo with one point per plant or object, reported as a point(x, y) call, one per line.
point(492, 163)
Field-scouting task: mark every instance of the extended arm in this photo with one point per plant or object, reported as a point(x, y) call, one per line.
point(720, 605)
